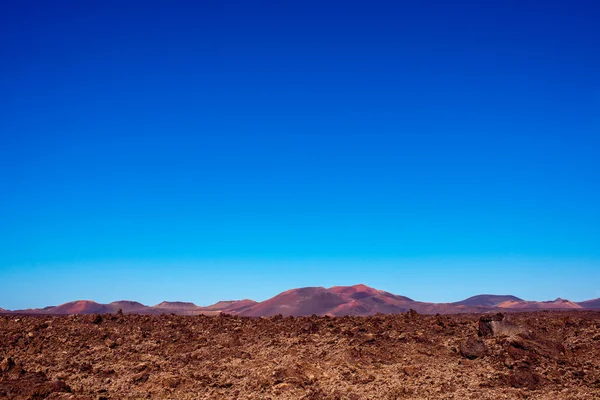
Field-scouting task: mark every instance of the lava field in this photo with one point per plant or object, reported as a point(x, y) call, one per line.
point(534, 355)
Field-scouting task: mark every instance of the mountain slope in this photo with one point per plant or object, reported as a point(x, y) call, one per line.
point(347, 300)
point(128, 306)
point(590, 304)
point(134, 307)
point(297, 302)
point(231, 306)
point(487, 300)
point(81, 307)
point(364, 300)
point(558, 304)
point(176, 305)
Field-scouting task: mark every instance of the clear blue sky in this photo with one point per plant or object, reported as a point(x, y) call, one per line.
point(210, 150)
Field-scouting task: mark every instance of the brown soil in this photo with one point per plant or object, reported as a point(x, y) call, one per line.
point(539, 355)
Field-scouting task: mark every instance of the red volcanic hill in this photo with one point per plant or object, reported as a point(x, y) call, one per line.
point(590, 304)
point(334, 301)
point(487, 300)
point(304, 301)
point(90, 307)
point(176, 305)
point(134, 307)
point(558, 304)
point(82, 307)
point(231, 306)
point(364, 300)
point(128, 306)
point(345, 300)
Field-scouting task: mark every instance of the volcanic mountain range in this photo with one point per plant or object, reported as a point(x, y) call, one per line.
point(333, 301)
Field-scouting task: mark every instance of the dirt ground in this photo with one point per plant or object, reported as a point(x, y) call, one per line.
point(538, 355)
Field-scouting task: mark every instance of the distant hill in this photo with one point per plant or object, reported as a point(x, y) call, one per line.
point(345, 300)
point(178, 307)
point(175, 307)
point(333, 301)
point(558, 304)
point(128, 306)
point(487, 300)
point(134, 307)
point(590, 304)
point(231, 306)
point(304, 301)
point(81, 307)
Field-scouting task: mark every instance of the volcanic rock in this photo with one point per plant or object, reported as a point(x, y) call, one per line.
point(6, 364)
point(473, 348)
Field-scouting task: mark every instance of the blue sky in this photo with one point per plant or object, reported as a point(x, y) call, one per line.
point(201, 151)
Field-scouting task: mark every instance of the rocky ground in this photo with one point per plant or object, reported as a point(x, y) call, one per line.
point(539, 355)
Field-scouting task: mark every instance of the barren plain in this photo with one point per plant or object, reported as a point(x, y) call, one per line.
point(534, 355)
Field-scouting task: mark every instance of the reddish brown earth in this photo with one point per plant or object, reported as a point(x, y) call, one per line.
point(536, 355)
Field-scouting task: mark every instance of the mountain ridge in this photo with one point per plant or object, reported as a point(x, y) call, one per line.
point(487, 299)
point(357, 300)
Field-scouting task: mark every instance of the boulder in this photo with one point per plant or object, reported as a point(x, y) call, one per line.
point(497, 325)
point(473, 348)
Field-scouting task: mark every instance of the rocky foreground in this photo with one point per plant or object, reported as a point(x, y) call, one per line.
point(539, 355)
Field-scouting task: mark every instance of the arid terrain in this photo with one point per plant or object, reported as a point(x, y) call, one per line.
point(533, 355)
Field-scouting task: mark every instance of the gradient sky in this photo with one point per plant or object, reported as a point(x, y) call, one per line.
point(211, 150)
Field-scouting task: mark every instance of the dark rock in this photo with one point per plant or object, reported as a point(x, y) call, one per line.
point(6, 364)
point(486, 326)
point(497, 325)
point(473, 348)
point(96, 319)
point(46, 389)
point(525, 379)
point(141, 377)
point(171, 382)
point(290, 374)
